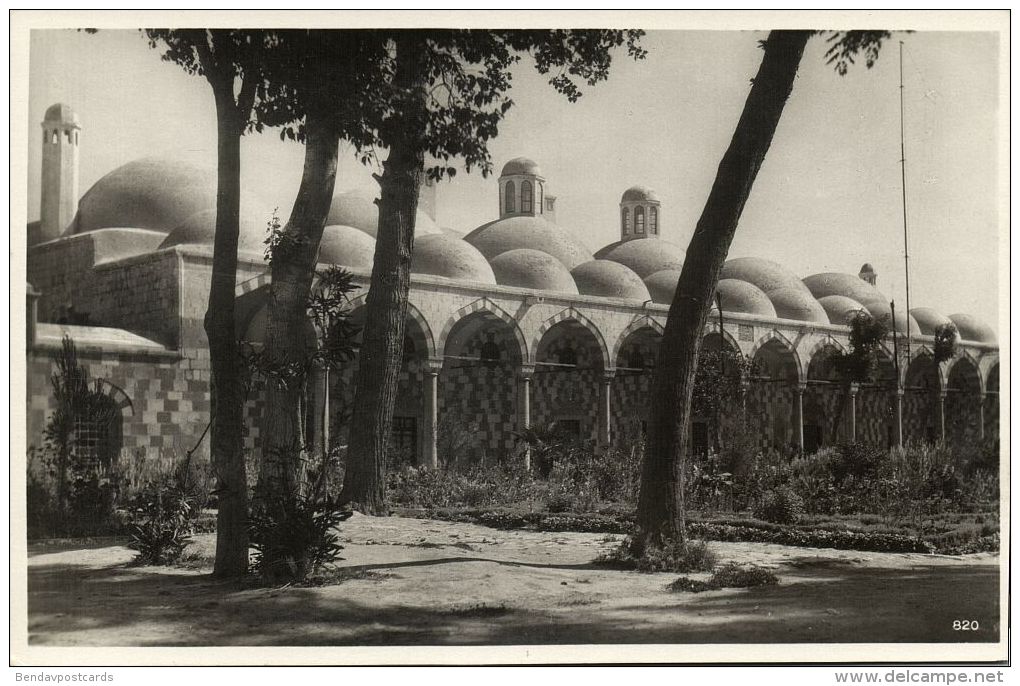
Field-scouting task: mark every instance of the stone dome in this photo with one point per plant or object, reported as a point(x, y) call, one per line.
point(609, 280)
point(840, 308)
point(788, 294)
point(444, 255)
point(521, 165)
point(847, 285)
point(928, 320)
point(973, 329)
point(644, 256)
point(358, 209)
point(200, 229)
point(662, 285)
point(152, 193)
point(348, 247)
point(534, 233)
point(60, 113)
point(527, 268)
point(639, 194)
point(741, 296)
point(883, 312)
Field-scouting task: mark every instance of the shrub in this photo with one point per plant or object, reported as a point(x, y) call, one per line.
point(780, 506)
point(162, 516)
point(731, 575)
point(857, 460)
point(560, 502)
point(673, 556)
point(293, 537)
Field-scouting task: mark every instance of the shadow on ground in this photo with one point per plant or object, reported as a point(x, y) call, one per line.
point(823, 602)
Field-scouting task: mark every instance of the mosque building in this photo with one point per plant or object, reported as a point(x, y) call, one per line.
point(515, 324)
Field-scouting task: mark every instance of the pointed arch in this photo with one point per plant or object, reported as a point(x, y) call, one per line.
point(414, 314)
point(784, 342)
point(119, 398)
point(726, 336)
point(645, 322)
point(485, 305)
point(571, 314)
point(965, 357)
point(917, 357)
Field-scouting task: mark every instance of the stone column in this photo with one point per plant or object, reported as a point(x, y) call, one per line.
point(605, 419)
point(430, 396)
point(525, 374)
point(800, 415)
point(899, 417)
point(942, 415)
point(853, 412)
point(981, 416)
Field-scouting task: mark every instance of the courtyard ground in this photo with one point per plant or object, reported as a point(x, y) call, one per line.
point(422, 582)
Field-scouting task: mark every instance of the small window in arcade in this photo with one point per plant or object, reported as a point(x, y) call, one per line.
point(639, 220)
point(97, 435)
point(490, 352)
point(626, 220)
point(404, 436)
point(653, 220)
point(569, 427)
point(567, 356)
point(510, 201)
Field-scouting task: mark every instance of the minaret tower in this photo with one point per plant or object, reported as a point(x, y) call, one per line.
point(61, 133)
point(640, 214)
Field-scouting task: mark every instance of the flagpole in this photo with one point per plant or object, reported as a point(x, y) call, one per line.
point(903, 187)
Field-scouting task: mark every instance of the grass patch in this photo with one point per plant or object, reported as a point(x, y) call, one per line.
point(695, 556)
point(480, 610)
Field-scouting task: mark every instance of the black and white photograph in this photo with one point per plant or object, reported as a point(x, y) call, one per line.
point(480, 338)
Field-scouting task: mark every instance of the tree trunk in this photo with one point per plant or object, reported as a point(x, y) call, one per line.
point(661, 512)
point(227, 390)
point(290, 337)
point(386, 307)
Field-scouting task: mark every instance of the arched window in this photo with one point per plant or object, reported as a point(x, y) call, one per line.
point(639, 220)
point(525, 196)
point(541, 199)
point(626, 221)
point(510, 202)
point(68, 132)
point(55, 137)
point(653, 220)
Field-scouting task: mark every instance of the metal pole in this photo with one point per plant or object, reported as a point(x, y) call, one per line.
point(896, 386)
point(903, 186)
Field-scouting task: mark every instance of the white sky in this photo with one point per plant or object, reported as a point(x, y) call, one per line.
point(826, 199)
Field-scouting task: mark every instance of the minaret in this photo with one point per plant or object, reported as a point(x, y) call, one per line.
point(60, 139)
point(522, 189)
point(640, 214)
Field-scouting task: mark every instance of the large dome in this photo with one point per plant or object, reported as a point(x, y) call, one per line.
point(639, 194)
point(847, 285)
point(609, 280)
point(741, 296)
point(348, 247)
point(358, 209)
point(788, 294)
point(152, 193)
point(928, 320)
point(534, 233)
point(973, 329)
point(526, 268)
point(444, 255)
point(200, 229)
point(644, 256)
point(662, 285)
point(840, 308)
point(521, 165)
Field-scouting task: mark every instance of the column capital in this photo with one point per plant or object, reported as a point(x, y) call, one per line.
point(900, 392)
point(801, 386)
point(854, 387)
point(433, 365)
point(526, 370)
point(942, 394)
point(609, 374)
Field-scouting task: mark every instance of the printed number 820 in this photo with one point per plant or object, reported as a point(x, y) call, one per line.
point(966, 625)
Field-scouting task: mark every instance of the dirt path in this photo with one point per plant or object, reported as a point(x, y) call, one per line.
point(415, 582)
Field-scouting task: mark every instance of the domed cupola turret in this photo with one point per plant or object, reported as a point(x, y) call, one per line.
point(640, 214)
point(521, 189)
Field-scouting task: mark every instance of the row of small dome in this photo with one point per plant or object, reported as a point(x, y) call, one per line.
point(523, 251)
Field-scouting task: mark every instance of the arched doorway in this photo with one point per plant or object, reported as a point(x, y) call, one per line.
point(568, 369)
point(477, 390)
point(771, 399)
point(963, 402)
point(921, 400)
point(632, 385)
